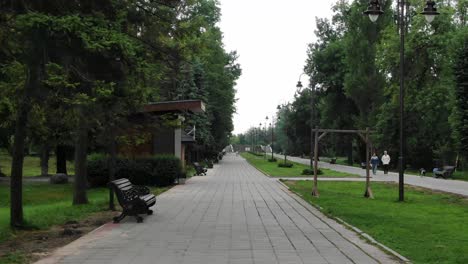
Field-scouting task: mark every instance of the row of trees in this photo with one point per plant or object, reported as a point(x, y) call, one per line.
point(72, 71)
point(354, 67)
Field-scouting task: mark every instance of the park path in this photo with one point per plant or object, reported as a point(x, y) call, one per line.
point(446, 185)
point(233, 215)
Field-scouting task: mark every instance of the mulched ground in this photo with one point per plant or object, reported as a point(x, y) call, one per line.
point(33, 245)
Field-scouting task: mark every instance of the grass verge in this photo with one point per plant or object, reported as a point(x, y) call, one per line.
point(45, 206)
point(272, 169)
point(31, 166)
point(429, 227)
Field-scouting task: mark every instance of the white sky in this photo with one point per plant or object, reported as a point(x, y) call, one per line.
point(271, 37)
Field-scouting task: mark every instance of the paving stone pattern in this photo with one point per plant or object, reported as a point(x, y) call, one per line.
point(233, 215)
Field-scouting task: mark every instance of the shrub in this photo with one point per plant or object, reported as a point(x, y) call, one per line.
point(98, 174)
point(272, 160)
point(183, 174)
point(311, 172)
point(285, 165)
point(155, 171)
point(162, 169)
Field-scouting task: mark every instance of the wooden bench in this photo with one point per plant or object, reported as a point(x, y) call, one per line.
point(199, 169)
point(446, 172)
point(134, 199)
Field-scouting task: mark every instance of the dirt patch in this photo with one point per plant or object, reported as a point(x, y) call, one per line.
point(34, 245)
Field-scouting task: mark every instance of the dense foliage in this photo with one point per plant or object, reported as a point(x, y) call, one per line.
point(158, 171)
point(354, 67)
point(72, 71)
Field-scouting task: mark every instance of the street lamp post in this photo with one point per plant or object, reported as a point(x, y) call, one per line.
point(252, 133)
point(313, 90)
point(374, 11)
point(266, 137)
point(299, 88)
point(259, 134)
point(272, 127)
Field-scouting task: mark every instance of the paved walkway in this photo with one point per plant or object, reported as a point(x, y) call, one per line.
point(451, 186)
point(233, 215)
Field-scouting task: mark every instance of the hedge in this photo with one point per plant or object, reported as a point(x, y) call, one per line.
point(285, 165)
point(161, 170)
point(311, 172)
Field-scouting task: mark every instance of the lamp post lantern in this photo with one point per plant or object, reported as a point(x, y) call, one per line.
point(430, 11)
point(374, 11)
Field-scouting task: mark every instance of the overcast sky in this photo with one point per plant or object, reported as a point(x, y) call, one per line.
point(271, 37)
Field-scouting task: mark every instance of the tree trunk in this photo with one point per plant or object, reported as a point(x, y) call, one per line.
point(112, 163)
point(350, 151)
point(16, 187)
point(81, 146)
point(61, 159)
point(16, 182)
point(45, 160)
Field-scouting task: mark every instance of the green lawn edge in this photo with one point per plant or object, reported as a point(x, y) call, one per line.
point(271, 169)
point(429, 227)
point(46, 205)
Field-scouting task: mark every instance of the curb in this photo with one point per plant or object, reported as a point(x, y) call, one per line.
point(372, 240)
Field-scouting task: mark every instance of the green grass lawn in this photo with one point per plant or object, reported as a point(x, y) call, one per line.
point(427, 228)
point(31, 165)
point(272, 169)
point(46, 205)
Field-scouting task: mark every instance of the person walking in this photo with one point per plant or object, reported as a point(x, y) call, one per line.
point(385, 161)
point(374, 161)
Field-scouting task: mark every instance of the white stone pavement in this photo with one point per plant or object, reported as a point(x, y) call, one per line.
point(446, 185)
point(233, 215)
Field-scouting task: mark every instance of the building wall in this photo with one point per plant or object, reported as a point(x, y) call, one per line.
point(135, 143)
point(163, 141)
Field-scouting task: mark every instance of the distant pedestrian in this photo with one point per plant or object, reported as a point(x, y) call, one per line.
point(374, 161)
point(422, 172)
point(385, 162)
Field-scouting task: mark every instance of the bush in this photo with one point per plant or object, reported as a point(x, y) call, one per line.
point(311, 172)
point(285, 165)
point(98, 174)
point(272, 160)
point(183, 174)
point(155, 171)
point(162, 170)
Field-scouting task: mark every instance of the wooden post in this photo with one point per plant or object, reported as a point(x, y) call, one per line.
point(368, 192)
point(315, 191)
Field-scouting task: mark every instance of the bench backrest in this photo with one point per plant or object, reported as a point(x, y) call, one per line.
point(123, 188)
point(449, 168)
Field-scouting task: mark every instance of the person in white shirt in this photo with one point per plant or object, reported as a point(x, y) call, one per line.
point(385, 161)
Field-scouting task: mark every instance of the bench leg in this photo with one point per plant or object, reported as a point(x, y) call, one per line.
point(139, 219)
point(117, 219)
